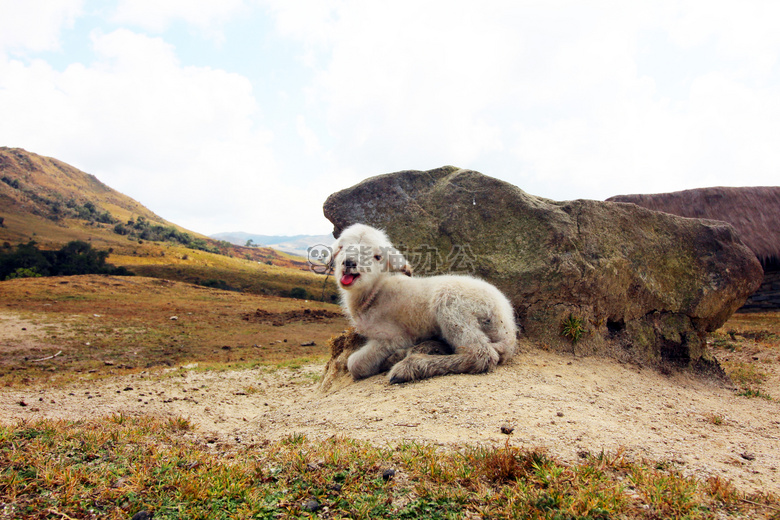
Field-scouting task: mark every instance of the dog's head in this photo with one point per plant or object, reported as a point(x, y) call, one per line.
point(362, 255)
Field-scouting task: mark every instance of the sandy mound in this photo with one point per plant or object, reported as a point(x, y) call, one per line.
point(568, 405)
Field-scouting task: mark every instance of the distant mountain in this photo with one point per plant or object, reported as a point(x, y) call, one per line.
point(295, 244)
point(52, 189)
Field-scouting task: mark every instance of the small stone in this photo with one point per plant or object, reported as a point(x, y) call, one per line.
point(335, 487)
point(748, 456)
point(142, 515)
point(174, 318)
point(559, 414)
point(506, 429)
point(308, 344)
point(310, 505)
point(388, 474)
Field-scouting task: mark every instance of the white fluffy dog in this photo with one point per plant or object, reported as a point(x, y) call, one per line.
point(395, 312)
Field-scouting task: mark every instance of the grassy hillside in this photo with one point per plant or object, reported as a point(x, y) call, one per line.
point(46, 187)
point(49, 202)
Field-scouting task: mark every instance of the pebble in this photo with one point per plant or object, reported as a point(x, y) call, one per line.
point(388, 474)
point(310, 505)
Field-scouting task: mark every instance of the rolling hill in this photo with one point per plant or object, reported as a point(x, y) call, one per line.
point(295, 245)
point(52, 203)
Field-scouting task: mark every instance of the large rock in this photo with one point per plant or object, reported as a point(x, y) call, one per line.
point(642, 285)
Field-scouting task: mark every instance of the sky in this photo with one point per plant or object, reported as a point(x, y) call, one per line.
point(244, 115)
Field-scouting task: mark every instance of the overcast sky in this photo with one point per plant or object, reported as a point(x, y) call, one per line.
point(228, 115)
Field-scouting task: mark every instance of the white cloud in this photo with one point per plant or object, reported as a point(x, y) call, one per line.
point(310, 140)
point(157, 15)
point(565, 99)
point(35, 25)
point(745, 32)
point(177, 138)
point(550, 95)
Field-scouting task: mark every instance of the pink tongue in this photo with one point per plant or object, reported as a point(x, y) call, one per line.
point(347, 279)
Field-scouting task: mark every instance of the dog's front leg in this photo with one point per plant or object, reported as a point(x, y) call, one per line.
point(370, 358)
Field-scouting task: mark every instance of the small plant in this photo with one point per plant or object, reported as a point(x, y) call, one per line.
point(573, 328)
point(180, 424)
point(252, 389)
point(714, 418)
point(752, 392)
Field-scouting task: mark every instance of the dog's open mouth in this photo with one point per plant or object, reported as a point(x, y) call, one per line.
point(348, 279)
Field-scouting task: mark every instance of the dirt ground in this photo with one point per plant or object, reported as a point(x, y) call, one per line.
point(567, 405)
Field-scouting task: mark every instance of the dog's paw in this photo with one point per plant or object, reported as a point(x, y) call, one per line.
point(402, 372)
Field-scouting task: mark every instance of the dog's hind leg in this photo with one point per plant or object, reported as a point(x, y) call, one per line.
point(422, 366)
point(474, 354)
point(372, 358)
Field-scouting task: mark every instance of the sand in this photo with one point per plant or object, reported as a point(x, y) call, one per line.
point(570, 406)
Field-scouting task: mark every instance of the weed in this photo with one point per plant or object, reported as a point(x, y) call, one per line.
point(179, 424)
point(748, 377)
point(573, 328)
point(746, 374)
point(752, 392)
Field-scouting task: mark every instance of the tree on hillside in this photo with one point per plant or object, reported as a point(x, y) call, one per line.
point(76, 257)
point(26, 257)
point(250, 243)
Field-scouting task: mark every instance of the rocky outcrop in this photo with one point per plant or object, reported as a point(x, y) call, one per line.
point(584, 276)
point(754, 211)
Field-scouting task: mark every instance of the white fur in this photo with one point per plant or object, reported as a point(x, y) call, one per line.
point(395, 311)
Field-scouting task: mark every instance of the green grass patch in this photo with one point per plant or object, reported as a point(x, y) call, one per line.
point(117, 466)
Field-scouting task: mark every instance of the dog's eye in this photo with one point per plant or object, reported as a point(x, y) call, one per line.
point(377, 257)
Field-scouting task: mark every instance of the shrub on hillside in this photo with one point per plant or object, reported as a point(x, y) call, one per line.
point(299, 293)
point(218, 284)
point(75, 257)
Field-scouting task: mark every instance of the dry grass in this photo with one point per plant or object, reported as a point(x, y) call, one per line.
point(105, 325)
point(117, 466)
point(748, 348)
